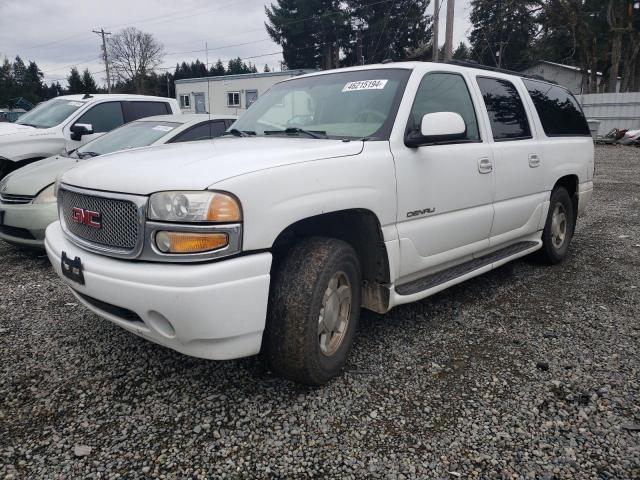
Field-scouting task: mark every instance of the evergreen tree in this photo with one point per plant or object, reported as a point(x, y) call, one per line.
point(88, 82)
point(502, 32)
point(75, 82)
point(217, 69)
point(266, 68)
point(463, 52)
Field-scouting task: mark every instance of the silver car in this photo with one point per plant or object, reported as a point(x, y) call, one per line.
point(27, 199)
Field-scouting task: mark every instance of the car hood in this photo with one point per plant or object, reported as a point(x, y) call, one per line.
point(7, 128)
point(197, 165)
point(32, 178)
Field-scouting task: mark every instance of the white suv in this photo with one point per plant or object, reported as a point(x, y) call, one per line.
point(69, 121)
point(362, 187)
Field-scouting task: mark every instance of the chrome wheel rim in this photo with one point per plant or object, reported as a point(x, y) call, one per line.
point(335, 314)
point(559, 226)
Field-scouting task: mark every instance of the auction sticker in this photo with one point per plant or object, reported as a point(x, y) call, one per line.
point(364, 85)
point(163, 128)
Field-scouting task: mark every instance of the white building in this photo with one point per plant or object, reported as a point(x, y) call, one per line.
point(228, 94)
point(566, 76)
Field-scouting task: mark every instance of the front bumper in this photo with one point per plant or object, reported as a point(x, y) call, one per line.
point(208, 310)
point(25, 225)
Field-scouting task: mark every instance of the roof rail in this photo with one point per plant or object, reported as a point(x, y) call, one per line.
point(473, 64)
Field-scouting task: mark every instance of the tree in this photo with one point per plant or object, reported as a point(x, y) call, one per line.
point(75, 82)
point(217, 69)
point(88, 82)
point(502, 32)
point(463, 52)
point(133, 55)
point(266, 68)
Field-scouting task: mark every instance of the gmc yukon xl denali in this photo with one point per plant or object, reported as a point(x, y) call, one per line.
point(361, 187)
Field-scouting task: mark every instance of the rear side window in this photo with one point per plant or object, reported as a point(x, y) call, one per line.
point(506, 111)
point(203, 131)
point(558, 110)
point(103, 117)
point(135, 110)
point(444, 92)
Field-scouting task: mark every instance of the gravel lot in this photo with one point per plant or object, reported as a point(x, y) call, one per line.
point(526, 372)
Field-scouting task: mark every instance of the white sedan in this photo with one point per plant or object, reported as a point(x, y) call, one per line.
point(27, 200)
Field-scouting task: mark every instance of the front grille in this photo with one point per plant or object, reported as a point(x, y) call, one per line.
point(9, 199)
point(119, 219)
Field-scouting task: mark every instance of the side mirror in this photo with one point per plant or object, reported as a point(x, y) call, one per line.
point(437, 127)
point(80, 129)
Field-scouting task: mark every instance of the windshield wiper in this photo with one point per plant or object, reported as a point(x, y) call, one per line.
point(238, 133)
point(294, 130)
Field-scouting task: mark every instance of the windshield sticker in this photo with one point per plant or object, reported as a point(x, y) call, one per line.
point(163, 128)
point(364, 85)
point(75, 104)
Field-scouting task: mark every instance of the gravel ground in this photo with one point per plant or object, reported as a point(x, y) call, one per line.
point(525, 372)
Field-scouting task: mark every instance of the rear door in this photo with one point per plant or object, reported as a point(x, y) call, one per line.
point(519, 175)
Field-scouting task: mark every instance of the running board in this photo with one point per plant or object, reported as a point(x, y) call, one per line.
point(444, 276)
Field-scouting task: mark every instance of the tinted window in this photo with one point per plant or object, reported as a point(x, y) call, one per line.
point(444, 92)
point(104, 117)
point(203, 131)
point(506, 111)
point(558, 110)
point(136, 110)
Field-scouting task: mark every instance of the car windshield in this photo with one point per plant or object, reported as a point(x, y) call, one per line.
point(344, 105)
point(50, 113)
point(132, 135)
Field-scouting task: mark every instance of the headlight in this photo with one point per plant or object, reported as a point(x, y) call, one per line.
point(46, 195)
point(194, 207)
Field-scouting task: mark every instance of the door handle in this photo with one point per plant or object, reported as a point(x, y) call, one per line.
point(534, 160)
point(485, 165)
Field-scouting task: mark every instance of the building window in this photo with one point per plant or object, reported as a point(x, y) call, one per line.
point(185, 101)
point(233, 99)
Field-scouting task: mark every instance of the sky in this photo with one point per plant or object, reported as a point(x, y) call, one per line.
point(57, 34)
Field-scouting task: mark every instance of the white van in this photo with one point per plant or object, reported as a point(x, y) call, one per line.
point(66, 122)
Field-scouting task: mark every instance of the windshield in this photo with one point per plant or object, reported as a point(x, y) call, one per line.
point(132, 135)
point(348, 105)
point(50, 113)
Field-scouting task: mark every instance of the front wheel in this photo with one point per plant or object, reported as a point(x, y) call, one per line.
point(559, 228)
point(314, 306)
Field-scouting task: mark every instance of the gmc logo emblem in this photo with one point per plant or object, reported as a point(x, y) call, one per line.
point(86, 217)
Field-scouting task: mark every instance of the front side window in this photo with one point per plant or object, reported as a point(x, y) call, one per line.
point(49, 114)
point(342, 105)
point(506, 111)
point(103, 117)
point(185, 101)
point(233, 99)
point(559, 112)
point(444, 92)
point(132, 135)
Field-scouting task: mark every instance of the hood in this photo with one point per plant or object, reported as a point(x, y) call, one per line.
point(32, 178)
point(197, 165)
point(7, 128)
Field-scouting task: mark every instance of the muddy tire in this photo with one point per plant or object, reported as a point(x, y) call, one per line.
point(559, 228)
point(314, 306)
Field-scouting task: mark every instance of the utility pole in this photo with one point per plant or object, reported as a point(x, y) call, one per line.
point(436, 28)
point(102, 33)
point(360, 50)
point(448, 46)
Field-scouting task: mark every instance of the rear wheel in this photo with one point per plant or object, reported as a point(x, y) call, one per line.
point(314, 307)
point(559, 228)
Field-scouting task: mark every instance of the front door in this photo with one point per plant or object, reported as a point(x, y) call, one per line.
point(445, 191)
point(102, 117)
point(199, 100)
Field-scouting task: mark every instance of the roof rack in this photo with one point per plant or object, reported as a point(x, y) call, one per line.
point(472, 64)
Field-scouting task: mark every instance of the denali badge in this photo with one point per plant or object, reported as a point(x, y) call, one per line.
point(419, 213)
point(86, 217)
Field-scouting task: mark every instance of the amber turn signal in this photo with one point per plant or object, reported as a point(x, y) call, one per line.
point(189, 242)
